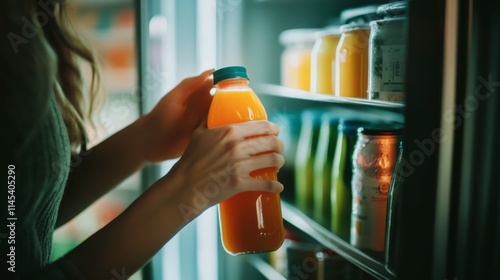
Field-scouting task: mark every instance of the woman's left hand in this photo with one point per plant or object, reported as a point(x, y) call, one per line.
point(171, 123)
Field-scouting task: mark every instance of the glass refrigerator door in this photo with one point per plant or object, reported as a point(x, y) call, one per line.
point(448, 202)
point(176, 40)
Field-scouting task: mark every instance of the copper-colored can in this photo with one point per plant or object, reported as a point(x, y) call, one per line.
point(374, 158)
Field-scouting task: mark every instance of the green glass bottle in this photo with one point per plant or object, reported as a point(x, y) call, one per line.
point(341, 195)
point(304, 161)
point(322, 169)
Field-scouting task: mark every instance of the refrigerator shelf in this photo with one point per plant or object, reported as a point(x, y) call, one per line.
point(264, 268)
point(301, 222)
point(279, 99)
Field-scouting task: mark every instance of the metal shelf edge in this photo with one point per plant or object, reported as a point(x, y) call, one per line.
point(282, 99)
point(308, 226)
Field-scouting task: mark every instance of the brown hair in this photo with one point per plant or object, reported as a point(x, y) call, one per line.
point(77, 102)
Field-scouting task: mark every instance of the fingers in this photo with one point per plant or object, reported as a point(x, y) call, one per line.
point(245, 167)
point(245, 140)
point(252, 184)
point(255, 128)
point(259, 145)
point(191, 83)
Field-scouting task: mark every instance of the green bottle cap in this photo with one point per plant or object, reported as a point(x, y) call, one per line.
point(230, 72)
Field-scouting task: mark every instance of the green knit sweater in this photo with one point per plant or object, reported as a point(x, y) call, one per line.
point(35, 145)
point(41, 174)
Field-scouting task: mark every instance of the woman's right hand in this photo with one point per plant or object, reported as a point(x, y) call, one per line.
point(217, 162)
point(215, 166)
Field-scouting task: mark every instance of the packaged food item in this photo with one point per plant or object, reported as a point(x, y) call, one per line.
point(304, 161)
point(323, 169)
point(323, 61)
point(386, 79)
point(250, 222)
point(374, 159)
point(351, 64)
point(341, 197)
point(296, 58)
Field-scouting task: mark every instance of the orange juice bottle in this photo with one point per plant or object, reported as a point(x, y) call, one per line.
point(251, 222)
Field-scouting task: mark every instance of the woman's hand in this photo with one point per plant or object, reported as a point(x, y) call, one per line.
point(172, 121)
point(214, 167)
point(219, 160)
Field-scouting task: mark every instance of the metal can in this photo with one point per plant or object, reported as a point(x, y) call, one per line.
point(387, 53)
point(374, 157)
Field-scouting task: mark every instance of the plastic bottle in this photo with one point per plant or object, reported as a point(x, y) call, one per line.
point(251, 222)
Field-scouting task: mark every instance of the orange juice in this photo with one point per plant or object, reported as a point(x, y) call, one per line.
point(251, 221)
point(351, 65)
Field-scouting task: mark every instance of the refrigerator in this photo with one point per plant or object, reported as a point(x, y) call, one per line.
point(449, 200)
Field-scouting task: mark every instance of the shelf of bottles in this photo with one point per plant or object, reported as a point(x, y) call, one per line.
point(287, 107)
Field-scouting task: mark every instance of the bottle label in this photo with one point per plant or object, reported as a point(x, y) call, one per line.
point(369, 207)
point(392, 73)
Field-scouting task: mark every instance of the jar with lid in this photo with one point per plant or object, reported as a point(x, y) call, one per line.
point(323, 61)
point(386, 79)
point(296, 57)
point(351, 64)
